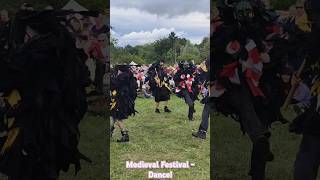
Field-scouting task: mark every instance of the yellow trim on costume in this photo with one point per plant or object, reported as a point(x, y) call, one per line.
point(113, 104)
point(161, 84)
point(13, 98)
point(12, 136)
point(303, 23)
point(10, 122)
point(315, 89)
point(114, 93)
point(166, 85)
point(204, 67)
point(157, 79)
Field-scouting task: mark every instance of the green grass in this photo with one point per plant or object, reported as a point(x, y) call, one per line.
point(93, 144)
point(164, 136)
point(168, 137)
point(233, 150)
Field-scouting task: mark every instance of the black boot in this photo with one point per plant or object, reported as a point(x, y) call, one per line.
point(166, 109)
point(200, 134)
point(260, 155)
point(157, 110)
point(125, 137)
point(191, 111)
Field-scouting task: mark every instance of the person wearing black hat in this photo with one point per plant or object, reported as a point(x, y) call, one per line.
point(187, 82)
point(123, 94)
point(159, 85)
point(307, 123)
point(43, 82)
point(238, 56)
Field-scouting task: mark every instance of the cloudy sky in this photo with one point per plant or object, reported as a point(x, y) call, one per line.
point(137, 22)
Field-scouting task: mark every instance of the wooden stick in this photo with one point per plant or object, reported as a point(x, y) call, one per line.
point(293, 88)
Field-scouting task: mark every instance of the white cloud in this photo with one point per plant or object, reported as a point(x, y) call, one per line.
point(143, 37)
point(196, 39)
point(134, 26)
point(165, 7)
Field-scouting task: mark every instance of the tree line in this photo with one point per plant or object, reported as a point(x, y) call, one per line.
point(171, 49)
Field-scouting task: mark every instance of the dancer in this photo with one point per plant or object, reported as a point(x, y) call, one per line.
point(187, 83)
point(43, 81)
point(308, 123)
point(159, 85)
point(123, 94)
point(238, 58)
point(208, 102)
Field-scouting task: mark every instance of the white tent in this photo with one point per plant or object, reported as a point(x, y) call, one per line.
point(75, 6)
point(133, 63)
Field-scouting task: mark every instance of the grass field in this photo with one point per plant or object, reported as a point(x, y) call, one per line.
point(168, 137)
point(156, 137)
point(233, 150)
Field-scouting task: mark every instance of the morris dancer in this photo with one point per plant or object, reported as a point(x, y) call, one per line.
point(159, 85)
point(123, 94)
point(238, 57)
point(187, 85)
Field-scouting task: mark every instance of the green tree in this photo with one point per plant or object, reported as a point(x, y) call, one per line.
point(147, 52)
point(170, 56)
point(190, 52)
point(169, 48)
point(204, 48)
point(134, 58)
point(162, 46)
point(131, 50)
point(173, 42)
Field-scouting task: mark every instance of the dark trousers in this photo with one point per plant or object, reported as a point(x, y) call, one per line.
point(187, 98)
point(207, 110)
point(100, 72)
point(190, 103)
point(240, 100)
point(308, 158)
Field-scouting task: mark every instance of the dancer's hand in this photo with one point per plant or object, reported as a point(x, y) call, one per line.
point(295, 80)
